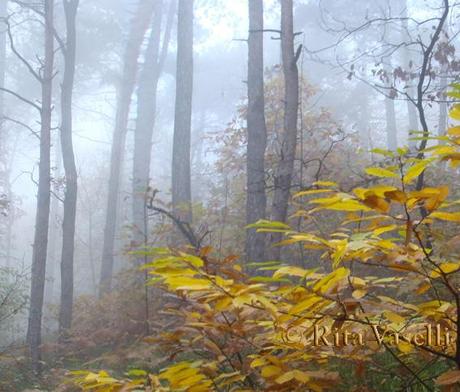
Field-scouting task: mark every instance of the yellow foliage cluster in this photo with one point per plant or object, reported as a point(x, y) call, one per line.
point(380, 272)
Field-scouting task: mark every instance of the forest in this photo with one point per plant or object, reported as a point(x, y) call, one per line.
point(229, 195)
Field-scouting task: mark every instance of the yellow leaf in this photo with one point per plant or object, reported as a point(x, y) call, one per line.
point(332, 280)
point(454, 131)
point(187, 283)
point(447, 216)
point(359, 293)
point(293, 374)
point(396, 195)
point(455, 112)
point(415, 170)
point(305, 304)
point(384, 229)
point(325, 183)
point(292, 271)
point(258, 362)
point(311, 192)
point(449, 378)
point(423, 288)
point(380, 172)
point(446, 268)
point(270, 371)
point(377, 203)
point(405, 347)
point(394, 317)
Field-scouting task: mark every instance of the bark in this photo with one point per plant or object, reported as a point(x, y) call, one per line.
point(139, 26)
point(408, 65)
point(54, 231)
point(3, 13)
point(285, 168)
point(146, 113)
point(363, 123)
point(443, 84)
point(443, 110)
point(256, 201)
point(181, 173)
point(5, 189)
point(39, 252)
point(70, 169)
point(390, 118)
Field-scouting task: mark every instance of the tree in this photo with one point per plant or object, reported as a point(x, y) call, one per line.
point(39, 252)
point(408, 65)
point(155, 57)
point(181, 174)
point(139, 25)
point(3, 14)
point(70, 169)
point(285, 168)
point(5, 193)
point(256, 201)
point(285, 332)
point(390, 117)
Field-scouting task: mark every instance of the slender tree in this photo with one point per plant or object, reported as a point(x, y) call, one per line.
point(285, 168)
point(70, 169)
point(390, 117)
point(139, 26)
point(3, 14)
point(39, 253)
point(256, 201)
point(4, 172)
point(181, 183)
point(443, 84)
point(408, 64)
point(146, 113)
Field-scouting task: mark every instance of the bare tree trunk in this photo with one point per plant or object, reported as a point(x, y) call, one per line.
point(139, 26)
point(181, 173)
point(70, 199)
point(443, 111)
point(54, 232)
point(256, 201)
point(5, 177)
point(390, 118)
point(443, 84)
point(3, 14)
point(363, 123)
point(408, 65)
point(43, 198)
point(284, 171)
point(146, 113)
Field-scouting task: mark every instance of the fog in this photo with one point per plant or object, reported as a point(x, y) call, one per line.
point(369, 74)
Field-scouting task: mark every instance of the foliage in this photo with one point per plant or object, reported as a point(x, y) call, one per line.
point(383, 279)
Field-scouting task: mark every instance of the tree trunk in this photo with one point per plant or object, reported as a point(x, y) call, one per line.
point(363, 122)
point(4, 172)
point(146, 113)
point(443, 84)
point(43, 197)
point(408, 66)
point(54, 235)
point(70, 169)
point(256, 202)
point(139, 26)
point(181, 183)
point(390, 118)
point(284, 171)
point(3, 14)
point(443, 110)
